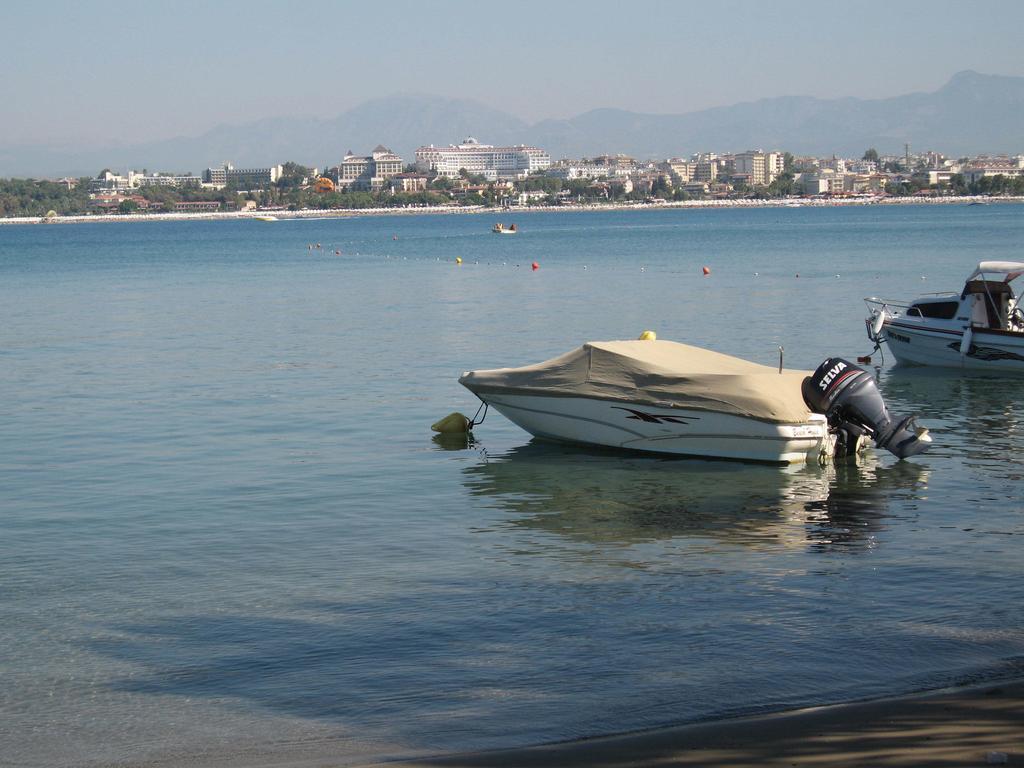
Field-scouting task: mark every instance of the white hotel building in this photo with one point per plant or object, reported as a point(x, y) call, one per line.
point(764, 167)
point(242, 177)
point(482, 159)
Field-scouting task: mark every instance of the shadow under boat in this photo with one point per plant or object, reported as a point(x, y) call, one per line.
point(607, 497)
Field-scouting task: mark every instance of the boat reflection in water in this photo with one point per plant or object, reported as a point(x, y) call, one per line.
point(453, 441)
point(859, 501)
point(591, 498)
point(978, 416)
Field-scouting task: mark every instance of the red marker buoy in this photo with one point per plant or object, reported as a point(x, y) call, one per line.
point(535, 266)
point(706, 271)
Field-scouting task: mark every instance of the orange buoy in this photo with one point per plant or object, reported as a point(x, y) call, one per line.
point(706, 271)
point(535, 266)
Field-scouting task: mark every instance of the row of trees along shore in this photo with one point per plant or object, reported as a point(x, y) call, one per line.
point(30, 197)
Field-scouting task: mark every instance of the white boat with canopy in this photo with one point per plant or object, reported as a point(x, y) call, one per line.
point(980, 328)
point(665, 397)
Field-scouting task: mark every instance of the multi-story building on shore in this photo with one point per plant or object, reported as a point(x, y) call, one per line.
point(705, 171)
point(571, 171)
point(822, 181)
point(932, 177)
point(762, 167)
point(862, 166)
point(242, 178)
point(682, 172)
point(408, 182)
point(623, 164)
point(481, 159)
point(110, 181)
point(163, 180)
point(981, 167)
point(367, 172)
point(826, 181)
point(837, 164)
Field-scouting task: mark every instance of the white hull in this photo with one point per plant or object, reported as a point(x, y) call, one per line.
point(989, 351)
point(981, 328)
point(678, 431)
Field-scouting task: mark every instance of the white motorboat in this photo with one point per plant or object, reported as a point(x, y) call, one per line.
point(981, 328)
point(665, 397)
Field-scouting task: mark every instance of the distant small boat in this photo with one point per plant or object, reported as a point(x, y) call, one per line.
point(501, 229)
point(265, 218)
point(977, 202)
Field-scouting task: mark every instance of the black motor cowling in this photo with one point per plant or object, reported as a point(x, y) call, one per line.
point(848, 397)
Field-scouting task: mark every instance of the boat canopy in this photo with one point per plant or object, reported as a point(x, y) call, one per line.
point(663, 374)
point(1012, 269)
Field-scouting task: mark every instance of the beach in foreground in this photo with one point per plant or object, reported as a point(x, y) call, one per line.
point(969, 727)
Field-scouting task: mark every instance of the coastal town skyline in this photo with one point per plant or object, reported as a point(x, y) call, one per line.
point(472, 175)
point(937, 121)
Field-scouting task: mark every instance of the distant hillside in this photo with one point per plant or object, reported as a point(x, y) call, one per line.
point(972, 113)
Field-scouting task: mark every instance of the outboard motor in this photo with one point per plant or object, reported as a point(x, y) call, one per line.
point(848, 397)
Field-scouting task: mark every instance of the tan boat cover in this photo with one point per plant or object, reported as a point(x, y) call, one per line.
point(656, 373)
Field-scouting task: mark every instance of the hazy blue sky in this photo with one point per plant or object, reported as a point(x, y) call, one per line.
point(74, 71)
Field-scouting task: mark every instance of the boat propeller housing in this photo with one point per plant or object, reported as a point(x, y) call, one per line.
point(847, 395)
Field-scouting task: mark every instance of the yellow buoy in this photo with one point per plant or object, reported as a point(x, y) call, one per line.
point(648, 336)
point(458, 259)
point(452, 424)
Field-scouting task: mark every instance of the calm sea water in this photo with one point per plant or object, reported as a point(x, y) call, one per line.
point(226, 532)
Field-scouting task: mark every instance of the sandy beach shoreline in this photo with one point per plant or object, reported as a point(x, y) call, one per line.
point(964, 726)
point(504, 213)
point(959, 727)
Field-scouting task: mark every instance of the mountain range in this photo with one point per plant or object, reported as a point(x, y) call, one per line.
point(972, 113)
